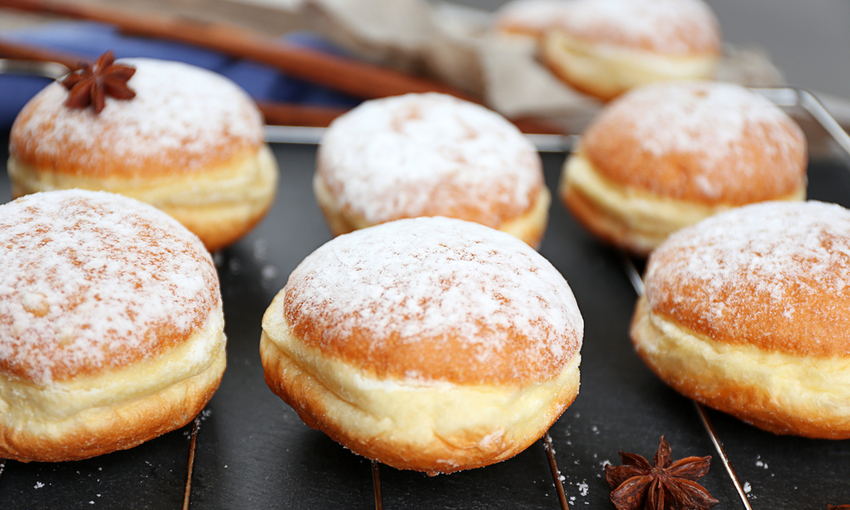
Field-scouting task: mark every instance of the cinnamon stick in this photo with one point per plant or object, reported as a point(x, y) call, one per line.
point(285, 114)
point(352, 77)
point(13, 50)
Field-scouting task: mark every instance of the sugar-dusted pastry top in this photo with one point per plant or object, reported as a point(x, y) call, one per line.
point(775, 275)
point(436, 299)
point(528, 17)
point(670, 27)
point(182, 120)
point(94, 281)
point(427, 155)
point(704, 141)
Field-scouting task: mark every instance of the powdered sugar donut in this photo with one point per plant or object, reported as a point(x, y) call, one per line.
point(431, 344)
point(190, 143)
point(430, 155)
point(606, 47)
point(746, 312)
point(670, 154)
point(111, 325)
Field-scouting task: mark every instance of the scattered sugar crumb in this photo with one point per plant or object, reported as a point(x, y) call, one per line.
point(583, 488)
point(38, 485)
point(748, 487)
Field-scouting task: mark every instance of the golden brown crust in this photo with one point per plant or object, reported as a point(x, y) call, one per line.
point(608, 227)
point(626, 216)
point(784, 394)
point(220, 205)
point(102, 430)
point(763, 158)
point(465, 450)
point(360, 412)
point(99, 159)
point(800, 311)
point(530, 226)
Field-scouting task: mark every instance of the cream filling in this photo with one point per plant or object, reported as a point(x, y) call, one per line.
point(613, 69)
point(250, 178)
point(43, 405)
point(637, 209)
point(529, 227)
point(419, 411)
point(797, 384)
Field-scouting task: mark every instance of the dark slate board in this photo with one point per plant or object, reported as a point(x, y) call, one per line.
point(253, 452)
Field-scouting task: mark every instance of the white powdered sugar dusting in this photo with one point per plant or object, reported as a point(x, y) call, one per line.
point(784, 254)
point(667, 26)
point(86, 277)
point(727, 128)
point(396, 157)
point(429, 278)
point(177, 107)
point(700, 115)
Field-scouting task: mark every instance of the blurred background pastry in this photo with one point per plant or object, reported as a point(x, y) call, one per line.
point(669, 154)
point(606, 47)
point(181, 138)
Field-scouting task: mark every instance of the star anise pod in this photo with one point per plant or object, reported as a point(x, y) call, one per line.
point(666, 485)
point(91, 84)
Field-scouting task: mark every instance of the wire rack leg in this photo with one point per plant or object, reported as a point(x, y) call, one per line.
point(556, 473)
point(376, 485)
point(187, 494)
point(722, 453)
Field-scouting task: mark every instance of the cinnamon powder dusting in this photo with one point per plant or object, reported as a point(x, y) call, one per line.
point(93, 281)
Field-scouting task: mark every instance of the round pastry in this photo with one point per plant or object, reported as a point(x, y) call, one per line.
point(430, 155)
point(606, 47)
point(670, 154)
point(431, 344)
point(746, 312)
point(189, 143)
point(111, 325)
point(528, 18)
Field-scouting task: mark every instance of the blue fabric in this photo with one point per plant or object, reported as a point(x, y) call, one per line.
point(87, 39)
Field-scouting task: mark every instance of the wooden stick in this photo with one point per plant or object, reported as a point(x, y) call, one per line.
point(359, 79)
point(9, 49)
point(282, 114)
